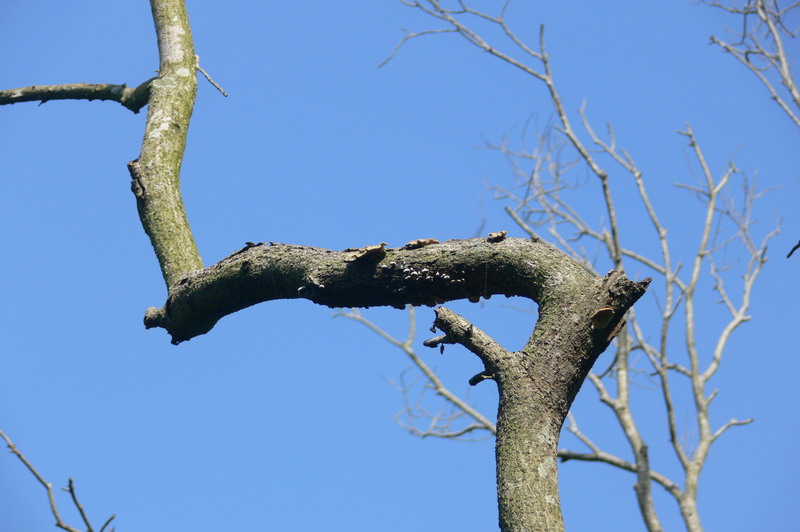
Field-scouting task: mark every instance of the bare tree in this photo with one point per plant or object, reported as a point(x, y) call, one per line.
point(580, 313)
point(543, 201)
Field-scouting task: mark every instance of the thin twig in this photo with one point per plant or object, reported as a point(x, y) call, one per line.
point(71, 489)
point(209, 78)
point(434, 382)
point(47, 486)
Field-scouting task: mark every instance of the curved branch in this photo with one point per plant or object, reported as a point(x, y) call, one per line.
point(360, 277)
point(156, 173)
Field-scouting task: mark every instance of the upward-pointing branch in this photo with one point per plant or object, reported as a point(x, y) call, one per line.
point(156, 173)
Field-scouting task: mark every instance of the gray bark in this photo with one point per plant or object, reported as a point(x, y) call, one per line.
point(579, 315)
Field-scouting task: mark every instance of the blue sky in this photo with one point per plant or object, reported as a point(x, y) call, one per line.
point(281, 417)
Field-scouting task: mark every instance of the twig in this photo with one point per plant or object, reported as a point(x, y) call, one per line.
point(764, 43)
point(435, 383)
point(210, 80)
point(71, 489)
point(47, 486)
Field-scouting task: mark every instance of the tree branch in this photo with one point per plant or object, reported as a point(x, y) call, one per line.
point(359, 277)
point(155, 175)
point(131, 98)
point(71, 489)
point(761, 48)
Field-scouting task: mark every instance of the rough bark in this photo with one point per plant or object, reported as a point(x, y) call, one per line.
point(133, 98)
point(156, 173)
point(361, 277)
point(579, 315)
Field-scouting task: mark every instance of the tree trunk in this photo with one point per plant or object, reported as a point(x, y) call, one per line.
point(579, 315)
point(526, 447)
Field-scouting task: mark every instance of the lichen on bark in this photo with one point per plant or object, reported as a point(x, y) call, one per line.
point(156, 173)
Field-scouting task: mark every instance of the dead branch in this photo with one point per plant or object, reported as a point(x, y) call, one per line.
point(131, 98)
point(541, 203)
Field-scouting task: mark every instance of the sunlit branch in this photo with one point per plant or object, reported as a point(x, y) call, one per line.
point(601, 456)
point(132, 98)
point(729, 424)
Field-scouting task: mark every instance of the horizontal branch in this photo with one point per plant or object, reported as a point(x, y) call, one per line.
point(131, 98)
point(423, 272)
point(600, 456)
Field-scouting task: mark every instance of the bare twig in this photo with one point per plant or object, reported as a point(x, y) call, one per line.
point(71, 490)
point(435, 428)
point(209, 78)
point(762, 51)
point(49, 487)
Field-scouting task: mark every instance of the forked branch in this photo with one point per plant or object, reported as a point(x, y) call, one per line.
point(761, 49)
point(50, 495)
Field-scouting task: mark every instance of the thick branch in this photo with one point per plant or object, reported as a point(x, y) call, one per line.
point(537, 385)
point(156, 173)
point(361, 277)
point(132, 98)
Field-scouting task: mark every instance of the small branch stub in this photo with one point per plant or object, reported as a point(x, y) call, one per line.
point(480, 377)
point(497, 237)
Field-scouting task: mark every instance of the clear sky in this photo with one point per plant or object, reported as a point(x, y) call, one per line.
point(281, 418)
